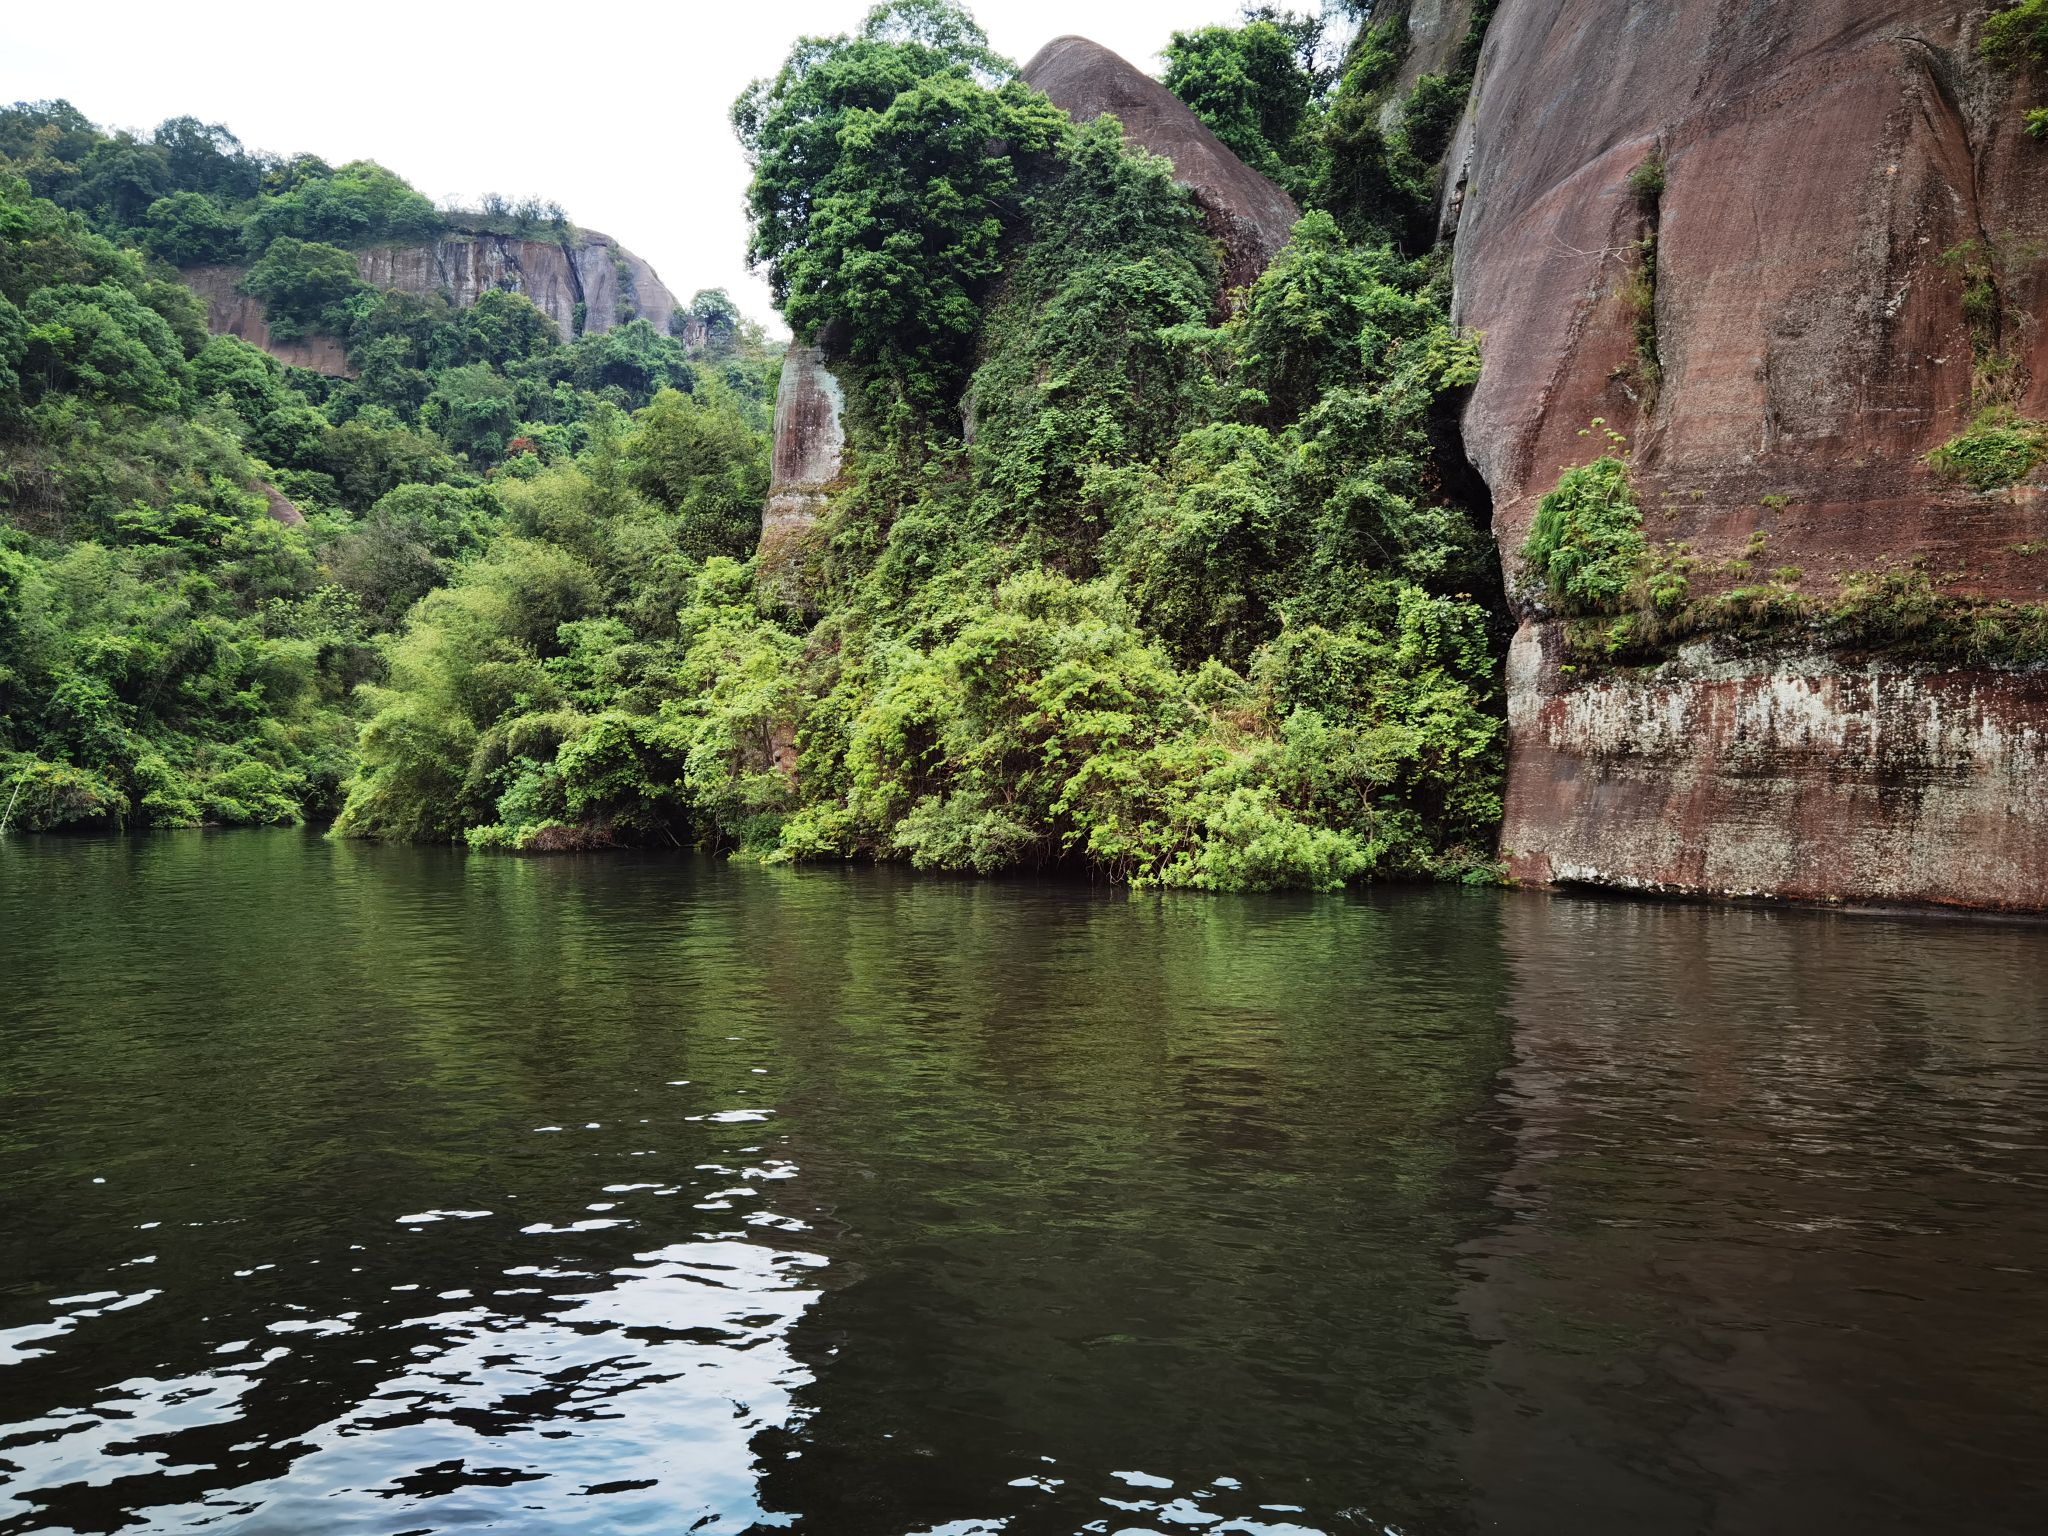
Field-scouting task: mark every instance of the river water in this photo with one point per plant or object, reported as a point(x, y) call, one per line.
point(386, 1190)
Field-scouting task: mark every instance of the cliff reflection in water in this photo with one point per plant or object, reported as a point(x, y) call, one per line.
point(649, 1192)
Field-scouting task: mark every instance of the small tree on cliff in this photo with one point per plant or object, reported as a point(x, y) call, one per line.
point(885, 165)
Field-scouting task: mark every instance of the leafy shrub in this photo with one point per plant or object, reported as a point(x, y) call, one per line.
point(2019, 32)
point(2000, 448)
point(305, 286)
point(190, 228)
point(103, 343)
point(1587, 537)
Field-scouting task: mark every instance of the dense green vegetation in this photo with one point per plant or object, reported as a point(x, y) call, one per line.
point(1322, 128)
point(1999, 448)
point(2019, 35)
point(1184, 600)
point(171, 652)
point(1587, 537)
point(1124, 575)
point(1627, 602)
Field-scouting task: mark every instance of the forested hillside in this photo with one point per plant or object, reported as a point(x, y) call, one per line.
point(1127, 572)
point(207, 556)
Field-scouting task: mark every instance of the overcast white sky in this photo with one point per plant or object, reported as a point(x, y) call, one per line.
point(616, 110)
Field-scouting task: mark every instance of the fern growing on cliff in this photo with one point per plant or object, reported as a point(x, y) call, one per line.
point(1587, 539)
point(2000, 448)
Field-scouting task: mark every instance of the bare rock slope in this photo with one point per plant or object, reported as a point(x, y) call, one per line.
point(1836, 174)
point(1244, 210)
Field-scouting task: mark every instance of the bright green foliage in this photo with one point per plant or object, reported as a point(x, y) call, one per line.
point(882, 164)
point(714, 309)
point(189, 229)
point(2019, 35)
point(1252, 86)
point(101, 342)
point(409, 544)
point(2000, 448)
point(13, 349)
point(1092, 353)
point(1185, 599)
point(360, 204)
point(2019, 32)
point(1587, 539)
point(1191, 608)
point(590, 678)
point(1327, 135)
point(169, 653)
point(305, 286)
point(695, 456)
point(790, 126)
point(182, 664)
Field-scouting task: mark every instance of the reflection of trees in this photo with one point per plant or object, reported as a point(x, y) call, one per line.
point(1161, 1186)
point(1770, 1194)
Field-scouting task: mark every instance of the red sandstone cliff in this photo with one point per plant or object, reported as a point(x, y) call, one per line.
point(230, 312)
point(1822, 159)
point(1244, 210)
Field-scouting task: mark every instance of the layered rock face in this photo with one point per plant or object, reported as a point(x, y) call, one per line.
point(1835, 173)
point(1809, 777)
point(1245, 211)
point(609, 281)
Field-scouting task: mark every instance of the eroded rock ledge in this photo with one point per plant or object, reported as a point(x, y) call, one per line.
point(1800, 777)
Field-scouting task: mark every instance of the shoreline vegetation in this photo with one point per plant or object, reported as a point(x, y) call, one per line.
point(1196, 606)
point(1126, 574)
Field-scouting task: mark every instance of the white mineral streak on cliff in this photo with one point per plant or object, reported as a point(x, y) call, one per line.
point(810, 450)
point(1797, 776)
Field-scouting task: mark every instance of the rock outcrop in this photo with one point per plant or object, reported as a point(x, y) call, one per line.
point(230, 312)
point(1807, 777)
point(609, 282)
point(810, 447)
point(1245, 211)
point(1835, 174)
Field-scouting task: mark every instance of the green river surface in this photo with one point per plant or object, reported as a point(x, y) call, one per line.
point(348, 1189)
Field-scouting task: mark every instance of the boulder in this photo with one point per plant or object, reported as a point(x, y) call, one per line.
point(1245, 211)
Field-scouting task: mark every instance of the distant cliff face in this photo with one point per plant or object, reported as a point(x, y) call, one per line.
point(1835, 173)
point(611, 283)
point(1244, 210)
